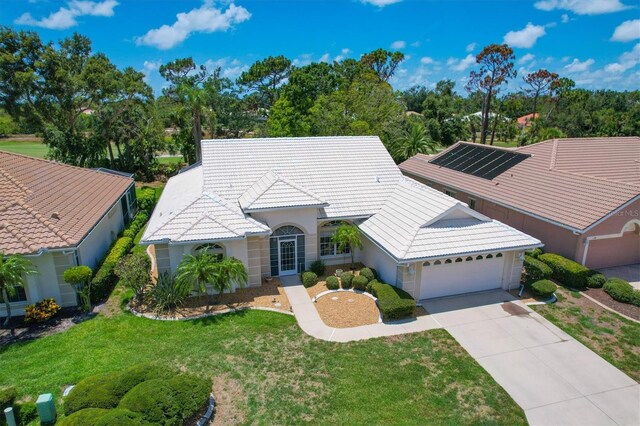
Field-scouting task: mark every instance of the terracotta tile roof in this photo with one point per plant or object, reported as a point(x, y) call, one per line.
point(44, 204)
point(573, 182)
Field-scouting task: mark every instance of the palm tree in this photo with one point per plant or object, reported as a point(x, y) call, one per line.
point(12, 272)
point(348, 236)
point(416, 142)
point(198, 270)
point(194, 100)
point(229, 271)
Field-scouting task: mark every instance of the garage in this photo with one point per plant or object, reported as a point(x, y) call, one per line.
point(447, 277)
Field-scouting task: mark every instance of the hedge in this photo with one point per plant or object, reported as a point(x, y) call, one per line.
point(369, 273)
point(535, 253)
point(360, 282)
point(105, 278)
point(544, 288)
point(86, 417)
point(393, 302)
point(622, 291)
point(146, 199)
point(566, 272)
point(535, 270)
point(346, 278)
point(136, 225)
point(333, 283)
point(309, 279)
point(596, 280)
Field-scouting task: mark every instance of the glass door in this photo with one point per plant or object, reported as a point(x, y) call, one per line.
point(287, 256)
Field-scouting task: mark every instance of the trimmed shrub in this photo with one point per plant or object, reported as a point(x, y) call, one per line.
point(120, 417)
point(566, 272)
point(346, 278)
point(7, 397)
point(105, 279)
point(136, 224)
point(154, 400)
point(544, 288)
point(535, 270)
point(134, 273)
point(622, 291)
point(168, 294)
point(317, 267)
point(309, 279)
point(25, 412)
point(42, 311)
point(535, 253)
point(191, 393)
point(393, 302)
point(146, 199)
point(360, 282)
point(77, 275)
point(85, 417)
point(596, 280)
point(333, 283)
point(370, 285)
point(368, 273)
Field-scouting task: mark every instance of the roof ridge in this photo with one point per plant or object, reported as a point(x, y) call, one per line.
point(598, 178)
point(554, 153)
point(177, 213)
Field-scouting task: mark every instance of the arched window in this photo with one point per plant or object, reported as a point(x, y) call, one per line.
point(448, 261)
point(327, 246)
point(499, 255)
point(479, 257)
point(489, 256)
point(437, 262)
point(213, 249)
point(469, 259)
point(458, 260)
point(287, 230)
point(426, 264)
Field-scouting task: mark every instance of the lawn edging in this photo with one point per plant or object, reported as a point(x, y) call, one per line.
point(608, 308)
point(211, 314)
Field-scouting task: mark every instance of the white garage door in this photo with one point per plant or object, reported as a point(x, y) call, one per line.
point(462, 275)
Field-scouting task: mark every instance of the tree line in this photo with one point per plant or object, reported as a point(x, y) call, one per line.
point(91, 113)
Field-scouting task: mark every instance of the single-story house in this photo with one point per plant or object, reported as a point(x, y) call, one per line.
point(580, 197)
point(58, 216)
point(526, 120)
point(276, 203)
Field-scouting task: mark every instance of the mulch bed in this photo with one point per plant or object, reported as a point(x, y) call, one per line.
point(65, 319)
point(627, 309)
point(346, 309)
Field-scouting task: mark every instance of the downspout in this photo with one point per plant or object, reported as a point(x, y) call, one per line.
point(586, 249)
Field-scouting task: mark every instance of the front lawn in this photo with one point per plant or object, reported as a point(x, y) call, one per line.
point(614, 338)
point(265, 370)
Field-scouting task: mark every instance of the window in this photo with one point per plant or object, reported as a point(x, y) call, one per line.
point(499, 255)
point(448, 261)
point(450, 193)
point(437, 262)
point(469, 259)
point(327, 246)
point(479, 257)
point(458, 260)
point(472, 203)
point(216, 250)
point(426, 264)
point(489, 256)
point(20, 295)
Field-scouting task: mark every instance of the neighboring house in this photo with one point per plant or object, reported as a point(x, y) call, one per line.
point(580, 197)
point(58, 216)
point(526, 120)
point(276, 203)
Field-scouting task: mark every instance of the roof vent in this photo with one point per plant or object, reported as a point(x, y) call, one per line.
point(377, 179)
point(55, 215)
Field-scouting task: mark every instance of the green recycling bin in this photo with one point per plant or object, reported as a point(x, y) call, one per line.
point(46, 409)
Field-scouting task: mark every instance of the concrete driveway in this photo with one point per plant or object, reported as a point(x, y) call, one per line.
point(553, 377)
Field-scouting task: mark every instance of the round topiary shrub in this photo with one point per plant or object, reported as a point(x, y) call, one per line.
point(84, 417)
point(309, 279)
point(191, 393)
point(154, 400)
point(369, 288)
point(596, 280)
point(120, 417)
point(622, 291)
point(333, 283)
point(317, 267)
point(7, 396)
point(534, 253)
point(346, 278)
point(544, 288)
point(368, 273)
point(360, 282)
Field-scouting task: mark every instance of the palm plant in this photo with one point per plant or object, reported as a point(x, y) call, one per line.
point(415, 142)
point(12, 272)
point(198, 270)
point(168, 294)
point(230, 271)
point(348, 236)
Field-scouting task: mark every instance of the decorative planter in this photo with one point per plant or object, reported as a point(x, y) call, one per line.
point(339, 272)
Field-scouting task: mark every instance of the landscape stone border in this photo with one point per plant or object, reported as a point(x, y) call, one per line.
point(351, 290)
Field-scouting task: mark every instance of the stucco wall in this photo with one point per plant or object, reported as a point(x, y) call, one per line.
point(374, 257)
point(93, 248)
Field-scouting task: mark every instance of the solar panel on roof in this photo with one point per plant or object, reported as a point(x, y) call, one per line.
point(478, 160)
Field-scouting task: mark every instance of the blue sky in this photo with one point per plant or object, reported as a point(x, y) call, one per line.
point(594, 42)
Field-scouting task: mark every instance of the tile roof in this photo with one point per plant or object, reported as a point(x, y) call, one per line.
point(44, 204)
point(573, 182)
point(418, 222)
point(274, 191)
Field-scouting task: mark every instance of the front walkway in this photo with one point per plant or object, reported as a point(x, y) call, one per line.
point(554, 378)
point(311, 323)
point(629, 273)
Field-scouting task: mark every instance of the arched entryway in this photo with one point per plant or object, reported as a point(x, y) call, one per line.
point(286, 250)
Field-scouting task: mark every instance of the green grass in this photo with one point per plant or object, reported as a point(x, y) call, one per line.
point(30, 148)
point(266, 370)
point(611, 336)
point(504, 144)
point(170, 160)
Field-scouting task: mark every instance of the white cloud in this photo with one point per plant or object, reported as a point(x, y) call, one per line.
point(205, 19)
point(229, 68)
point(459, 65)
point(582, 7)
point(577, 66)
point(325, 58)
point(526, 58)
point(627, 31)
point(471, 47)
point(343, 54)
point(399, 44)
point(65, 17)
point(415, 44)
point(427, 60)
point(564, 18)
point(525, 37)
point(626, 61)
point(380, 3)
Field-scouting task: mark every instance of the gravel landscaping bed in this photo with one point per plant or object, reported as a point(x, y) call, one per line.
point(344, 309)
point(627, 309)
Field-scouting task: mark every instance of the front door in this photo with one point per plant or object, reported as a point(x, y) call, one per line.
point(288, 256)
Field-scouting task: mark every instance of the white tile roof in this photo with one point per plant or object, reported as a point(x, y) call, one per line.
point(418, 222)
point(273, 191)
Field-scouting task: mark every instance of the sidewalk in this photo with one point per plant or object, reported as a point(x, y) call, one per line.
point(310, 322)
